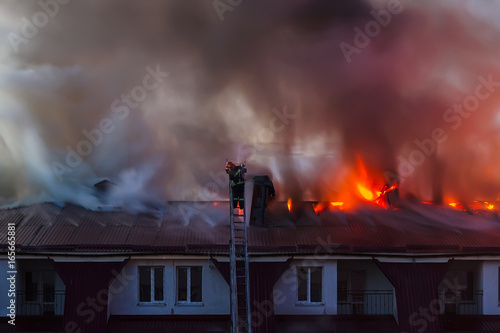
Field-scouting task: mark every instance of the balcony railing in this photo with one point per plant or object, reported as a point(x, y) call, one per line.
point(40, 303)
point(365, 302)
point(461, 302)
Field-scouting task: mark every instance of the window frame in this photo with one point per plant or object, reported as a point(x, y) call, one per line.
point(152, 284)
point(308, 301)
point(188, 285)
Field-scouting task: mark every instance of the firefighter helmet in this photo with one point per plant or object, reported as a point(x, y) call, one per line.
point(229, 166)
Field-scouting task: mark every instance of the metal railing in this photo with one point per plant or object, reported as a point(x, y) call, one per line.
point(365, 302)
point(38, 303)
point(461, 302)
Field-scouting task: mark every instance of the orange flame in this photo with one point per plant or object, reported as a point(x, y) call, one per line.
point(289, 204)
point(362, 184)
point(475, 205)
point(366, 193)
point(319, 207)
point(456, 205)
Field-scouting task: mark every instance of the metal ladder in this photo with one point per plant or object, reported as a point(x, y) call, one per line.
point(240, 288)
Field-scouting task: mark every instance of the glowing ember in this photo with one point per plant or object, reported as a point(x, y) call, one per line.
point(474, 205)
point(289, 204)
point(336, 203)
point(456, 205)
point(388, 189)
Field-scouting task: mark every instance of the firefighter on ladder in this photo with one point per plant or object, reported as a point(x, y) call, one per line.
point(237, 177)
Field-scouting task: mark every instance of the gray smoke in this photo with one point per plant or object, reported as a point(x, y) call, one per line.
point(225, 77)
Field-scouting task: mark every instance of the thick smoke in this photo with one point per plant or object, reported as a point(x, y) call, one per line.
point(269, 83)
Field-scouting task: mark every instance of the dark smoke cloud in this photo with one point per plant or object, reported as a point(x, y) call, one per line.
point(225, 78)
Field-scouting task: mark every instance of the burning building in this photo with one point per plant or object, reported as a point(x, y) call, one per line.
point(415, 267)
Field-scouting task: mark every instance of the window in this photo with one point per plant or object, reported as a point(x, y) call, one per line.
point(457, 283)
point(30, 287)
point(342, 286)
point(189, 284)
point(467, 280)
point(39, 286)
point(309, 281)
point(150, 284)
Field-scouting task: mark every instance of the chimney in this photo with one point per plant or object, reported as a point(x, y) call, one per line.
point(263, 192)
point(392, 198)
point(102, 189)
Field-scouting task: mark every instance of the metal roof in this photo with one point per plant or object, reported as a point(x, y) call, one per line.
point(190, 227)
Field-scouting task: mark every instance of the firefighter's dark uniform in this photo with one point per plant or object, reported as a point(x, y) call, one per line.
point(238, 186)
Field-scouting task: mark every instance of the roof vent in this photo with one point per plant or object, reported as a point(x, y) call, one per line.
point(263, 192)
